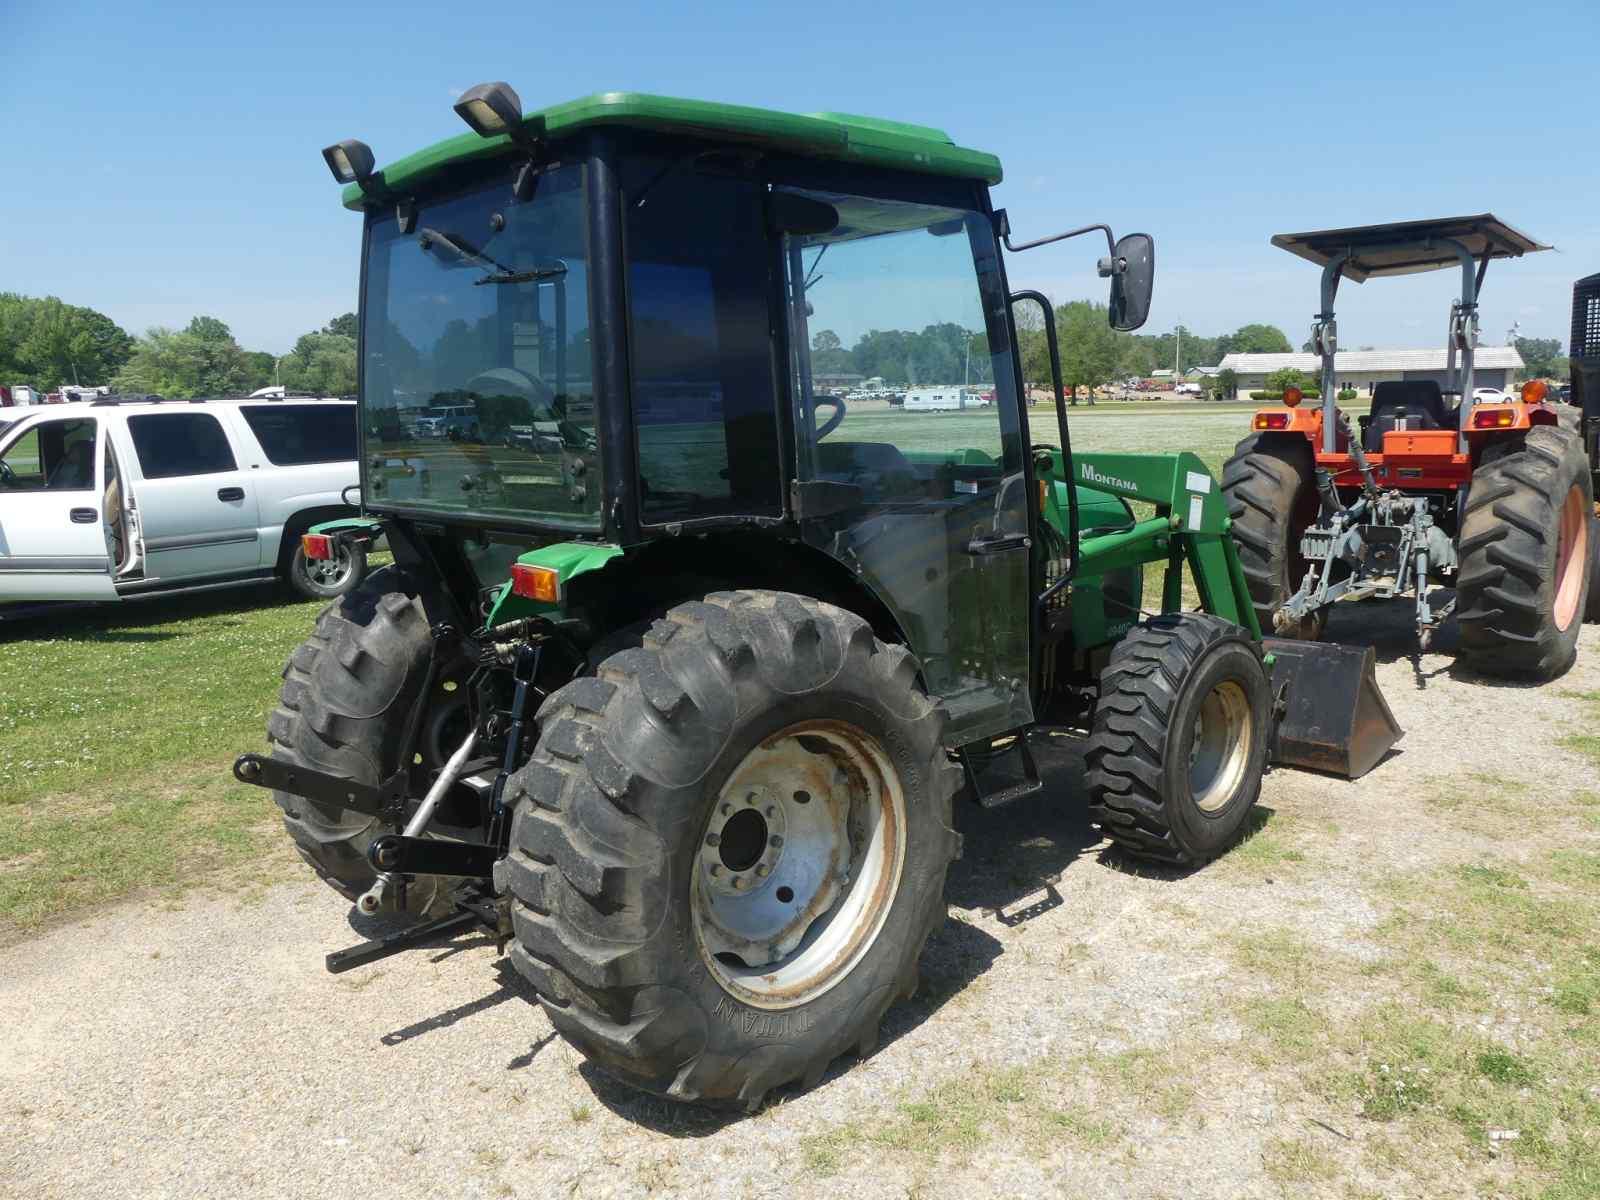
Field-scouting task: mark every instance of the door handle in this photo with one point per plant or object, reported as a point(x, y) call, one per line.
point(84, 516)
point(230, 493)
point(999, 543)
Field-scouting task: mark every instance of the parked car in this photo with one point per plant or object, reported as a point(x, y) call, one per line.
point(1187, 389)
point(456, 422)
point(120, 498)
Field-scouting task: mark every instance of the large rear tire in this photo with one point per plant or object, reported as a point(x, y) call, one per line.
point(348, 692)
point(1523, 582)
point(1179, 739)
point(674, 935)
point(1271, 491)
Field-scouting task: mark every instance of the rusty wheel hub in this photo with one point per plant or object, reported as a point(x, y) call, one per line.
point(799, 863)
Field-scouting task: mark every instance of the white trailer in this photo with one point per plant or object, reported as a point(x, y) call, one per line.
point(950, 399)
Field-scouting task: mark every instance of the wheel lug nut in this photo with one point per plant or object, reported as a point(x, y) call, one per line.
point(713, 839)
point(714, 870)
point(762, 869)
point(775, 841)
point(727, 808)
point(736, 882)
point(770, 810)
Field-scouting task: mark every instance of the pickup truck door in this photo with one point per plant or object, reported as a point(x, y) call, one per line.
point(55, 539)
point(198, 510)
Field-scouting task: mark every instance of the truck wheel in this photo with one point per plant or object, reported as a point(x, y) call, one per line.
point(1271, 490)
point(1179, 739)
point(347, 693)
point(327, 578)
point(1523, 582)
point(730, 846)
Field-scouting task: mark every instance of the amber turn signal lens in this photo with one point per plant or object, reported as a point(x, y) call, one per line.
point(316, 545)
point(1272, 420)
point(1534, 391)
point(1493, 418)
point(1292, 396)
point(535, 583)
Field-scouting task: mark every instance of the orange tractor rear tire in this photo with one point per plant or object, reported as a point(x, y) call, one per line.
point(1270, 486)
point(1523, 583)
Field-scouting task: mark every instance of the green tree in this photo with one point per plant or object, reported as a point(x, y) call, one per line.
point(1541, 357)
point(45, 342)
point(1253, 339)
point(828, 355)
point(325, 363)
point(1226, 384)
point(184, 364)
point(1288, 377)
point(1088, 346)
point(344, 325)
point(209, 329)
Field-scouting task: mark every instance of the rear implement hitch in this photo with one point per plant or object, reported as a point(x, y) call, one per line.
point(386, 801)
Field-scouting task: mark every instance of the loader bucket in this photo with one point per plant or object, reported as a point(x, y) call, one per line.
point(1333, 717)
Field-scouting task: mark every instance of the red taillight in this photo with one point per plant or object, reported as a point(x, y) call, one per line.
point(1272, 420)
point(535, 583)
point(317, 545)
point(1493, 418)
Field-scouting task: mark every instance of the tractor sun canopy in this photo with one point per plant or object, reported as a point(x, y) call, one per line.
point(1409, 247)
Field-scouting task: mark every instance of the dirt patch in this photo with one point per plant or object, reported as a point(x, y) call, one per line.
point(1391, 989)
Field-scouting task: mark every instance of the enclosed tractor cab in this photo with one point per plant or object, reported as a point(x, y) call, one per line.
point(1584, 393)
point(1434, 486)
point(684, 657)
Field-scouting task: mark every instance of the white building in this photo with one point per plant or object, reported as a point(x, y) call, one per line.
point(1493, 366)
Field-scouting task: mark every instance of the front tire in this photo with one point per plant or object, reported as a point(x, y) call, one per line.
point(1523, 583)
point(674, 935)
point(1270, 487)
point(1179, 738)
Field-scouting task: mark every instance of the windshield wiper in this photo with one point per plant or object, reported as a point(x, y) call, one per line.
point(532, 275)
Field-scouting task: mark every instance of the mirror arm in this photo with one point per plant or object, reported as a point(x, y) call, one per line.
point(1004, 224)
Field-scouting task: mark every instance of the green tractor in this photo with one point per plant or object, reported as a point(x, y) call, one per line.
point(699, 622)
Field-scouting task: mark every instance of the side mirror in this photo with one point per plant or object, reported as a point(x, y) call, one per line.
point(1131, 267)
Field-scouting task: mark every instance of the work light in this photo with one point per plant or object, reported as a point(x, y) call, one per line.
point(491, 109)
point(350, 161)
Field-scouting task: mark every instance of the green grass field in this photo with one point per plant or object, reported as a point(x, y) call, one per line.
point(118, 724)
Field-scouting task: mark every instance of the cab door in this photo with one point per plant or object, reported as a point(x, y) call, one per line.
point(928, 507)
point(54, 535)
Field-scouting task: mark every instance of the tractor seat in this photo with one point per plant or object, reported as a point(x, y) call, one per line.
point(877, 466)
point(1418, 403)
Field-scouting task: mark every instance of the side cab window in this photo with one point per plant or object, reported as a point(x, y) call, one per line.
point(169, 445)
point(55, 456)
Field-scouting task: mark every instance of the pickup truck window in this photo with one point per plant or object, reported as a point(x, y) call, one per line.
point(294, 435)
point(56, 456)
point(171, 444)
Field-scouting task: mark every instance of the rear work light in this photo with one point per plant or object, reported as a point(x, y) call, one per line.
point(1493, 418)
point(1272, 420)
point(316, 545)
point(535, 583)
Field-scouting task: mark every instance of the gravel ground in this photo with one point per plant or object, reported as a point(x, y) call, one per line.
point(201, 1050)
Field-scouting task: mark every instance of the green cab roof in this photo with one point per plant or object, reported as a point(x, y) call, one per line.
point(840, 136)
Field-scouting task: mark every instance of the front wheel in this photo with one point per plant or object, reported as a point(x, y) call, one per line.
point(327, 578)
point(1179, 739)
point(730, 846)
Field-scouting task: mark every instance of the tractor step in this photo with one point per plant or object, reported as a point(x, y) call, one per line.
point(1029, 785)
point(1331, 715)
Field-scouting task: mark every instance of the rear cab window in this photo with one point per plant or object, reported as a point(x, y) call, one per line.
point(296, 435)
point(170, 445)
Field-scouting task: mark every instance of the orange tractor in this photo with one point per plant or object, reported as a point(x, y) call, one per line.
point(1437, 485)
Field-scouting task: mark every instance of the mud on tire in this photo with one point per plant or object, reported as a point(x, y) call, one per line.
point(610, 829)
point(1523, 581)
point(1161, 786)
point(1270, 487)
point(348, 691)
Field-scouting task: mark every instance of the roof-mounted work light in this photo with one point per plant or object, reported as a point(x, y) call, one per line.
point(351, 162)
point(493, 110)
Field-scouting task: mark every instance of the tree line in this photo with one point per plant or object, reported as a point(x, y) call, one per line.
point(47, 344)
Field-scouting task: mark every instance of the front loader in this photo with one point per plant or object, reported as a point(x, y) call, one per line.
point(1438, 485)
point(684, 655)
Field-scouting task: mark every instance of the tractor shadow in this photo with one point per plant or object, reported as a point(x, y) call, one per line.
point(1389, 627)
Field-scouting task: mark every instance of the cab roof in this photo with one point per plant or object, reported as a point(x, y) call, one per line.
point(1407, 247)
point(840, 136)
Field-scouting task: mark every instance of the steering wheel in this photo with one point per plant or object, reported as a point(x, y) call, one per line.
point(7, 475)
point(832, 422)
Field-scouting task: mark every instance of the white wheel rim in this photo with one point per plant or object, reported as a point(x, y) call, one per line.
point(1219, 746)
point(798, 864)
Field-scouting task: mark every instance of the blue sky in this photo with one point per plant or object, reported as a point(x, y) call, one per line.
point(161, 160)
